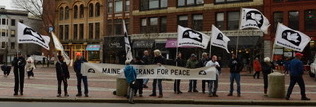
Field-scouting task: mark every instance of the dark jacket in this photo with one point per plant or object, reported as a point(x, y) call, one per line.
point(180, 62)
point(203, 62)
point(19, 63)
point(235, 65)
point(146, 60)
point(267, 68)
point(77, 65)
point(62, 71)
point(159, 59)
point(296, 67)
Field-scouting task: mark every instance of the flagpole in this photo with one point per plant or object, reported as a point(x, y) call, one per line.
point(237, 44)
point(210, 45)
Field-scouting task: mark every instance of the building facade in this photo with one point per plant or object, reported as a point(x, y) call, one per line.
point(296, 14)
point(8, 29)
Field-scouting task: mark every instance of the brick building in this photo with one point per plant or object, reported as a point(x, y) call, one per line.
point(297, 14)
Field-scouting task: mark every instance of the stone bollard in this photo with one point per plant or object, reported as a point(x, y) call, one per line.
point(276, 85)
point(121, 86)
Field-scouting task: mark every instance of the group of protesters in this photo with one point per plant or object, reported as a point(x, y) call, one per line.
point(266, 66)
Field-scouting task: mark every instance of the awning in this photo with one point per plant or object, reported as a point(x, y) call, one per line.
point(93, 48)
point(172, 43)
point(143, 44)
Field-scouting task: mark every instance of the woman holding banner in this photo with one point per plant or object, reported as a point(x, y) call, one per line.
point(159, 60)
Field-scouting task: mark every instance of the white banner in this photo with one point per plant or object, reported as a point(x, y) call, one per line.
point(219, 39)
point(253, 18)
point(290, 38)
point(150, 71)
point(28, 35)
point(189, 37)
point(128, 48)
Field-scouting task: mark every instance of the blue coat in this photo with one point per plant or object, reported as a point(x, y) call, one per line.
point(296, 67)
point(130, 73)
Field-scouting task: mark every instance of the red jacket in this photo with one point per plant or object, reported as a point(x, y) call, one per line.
point(256, 65)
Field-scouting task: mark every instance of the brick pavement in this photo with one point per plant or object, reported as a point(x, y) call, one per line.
point(44, 87)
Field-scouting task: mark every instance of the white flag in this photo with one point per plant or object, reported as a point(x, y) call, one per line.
point(253, 18)
point(189, 37)
point(27, 35)
point(289, 38)
point(219, 39)
point(59, 46)
point(128, 48)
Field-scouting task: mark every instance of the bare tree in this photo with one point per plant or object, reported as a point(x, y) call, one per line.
point(35, 7)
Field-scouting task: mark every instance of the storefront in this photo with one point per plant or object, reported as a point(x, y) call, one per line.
point(114, 50)
point(93, 51)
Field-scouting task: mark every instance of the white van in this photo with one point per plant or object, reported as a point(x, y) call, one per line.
point(38, 59)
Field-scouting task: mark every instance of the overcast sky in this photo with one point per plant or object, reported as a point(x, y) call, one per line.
point(7, 4)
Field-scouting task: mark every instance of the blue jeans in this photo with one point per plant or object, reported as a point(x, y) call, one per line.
point(85, 83)
point(234, 76)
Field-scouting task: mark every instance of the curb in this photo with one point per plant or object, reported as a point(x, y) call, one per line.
point(164, 101)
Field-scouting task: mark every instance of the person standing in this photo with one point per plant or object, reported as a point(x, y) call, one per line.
point(159, 60)
point(147, 61)
point(235, 66)
point(192, 63)
point(29, 67)
point(257, 67)
point(62, 74)
point(180, 62)
point(267, 68)
point(296, 68)
point(139, 82)
point(202, 63)
point(130, 76)
point(213, 84)
point(19, 69)
point(80, 77)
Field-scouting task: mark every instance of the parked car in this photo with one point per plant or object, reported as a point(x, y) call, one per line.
point(38, 59)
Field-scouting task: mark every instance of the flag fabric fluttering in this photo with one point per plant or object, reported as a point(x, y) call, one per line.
point(192, 38)
point(253, 18)
point(219, 39)
point(291, 39)
point(128, 48)
point(27, 35)
point(59, 46)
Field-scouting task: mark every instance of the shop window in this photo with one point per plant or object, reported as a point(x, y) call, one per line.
point(94, 56)
point(220, 21)
point(294, 20)
point(233, 20)
point(183, 20)
point(310, 20)
point(198, 22)
point(277, 18)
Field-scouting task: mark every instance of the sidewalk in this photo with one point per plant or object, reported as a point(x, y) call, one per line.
point(43, 88)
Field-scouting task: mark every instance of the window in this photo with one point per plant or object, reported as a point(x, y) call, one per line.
point(3, 33)
point(61, 13)
point(118, 6)
point(153, 4)
point(277, 0)
point(127, 5)
point(12, 22)
point(91, 10)
point(81, 31)
point(97, 30)
point(110, 8)
point(109, 29)
point(182, 3)
point(2, 44)
point(61, 31)
point(198, 22)
point(143, 25)
point(220, 21)
point(97, 9)
point(12, 33)
point(76, 12)
point(12, 45)
point(75, 31)
point(67, 12)
point(233, 20)
point(231, 1)
point(66, 32)
point(163, 24)
point(294, 20)
point(90, 30)
point(310, 20)
point(153, 25)
point(277, 17)
point(183, 21)
point(4, 21)
point(81, 11)
point(118, 28)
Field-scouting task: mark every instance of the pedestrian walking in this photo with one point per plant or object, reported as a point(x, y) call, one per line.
point(19, 69)
point(130, 75)
point(296, 68)
point(29, 67)
point(257, 67)
point(139, 82)
point(77, 67)
point(159, 60)
point(267, 68)
point(213, 84)
point(235, 66)
point(147, 60)
point(192, 63)
point(62, 75)
point(180, 62)
point(202, 63)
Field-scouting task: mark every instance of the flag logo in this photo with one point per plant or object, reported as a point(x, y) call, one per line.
point(31, 32)
point(291, 36)
point(191, 34)
point(254, 17)
point(220, 37)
